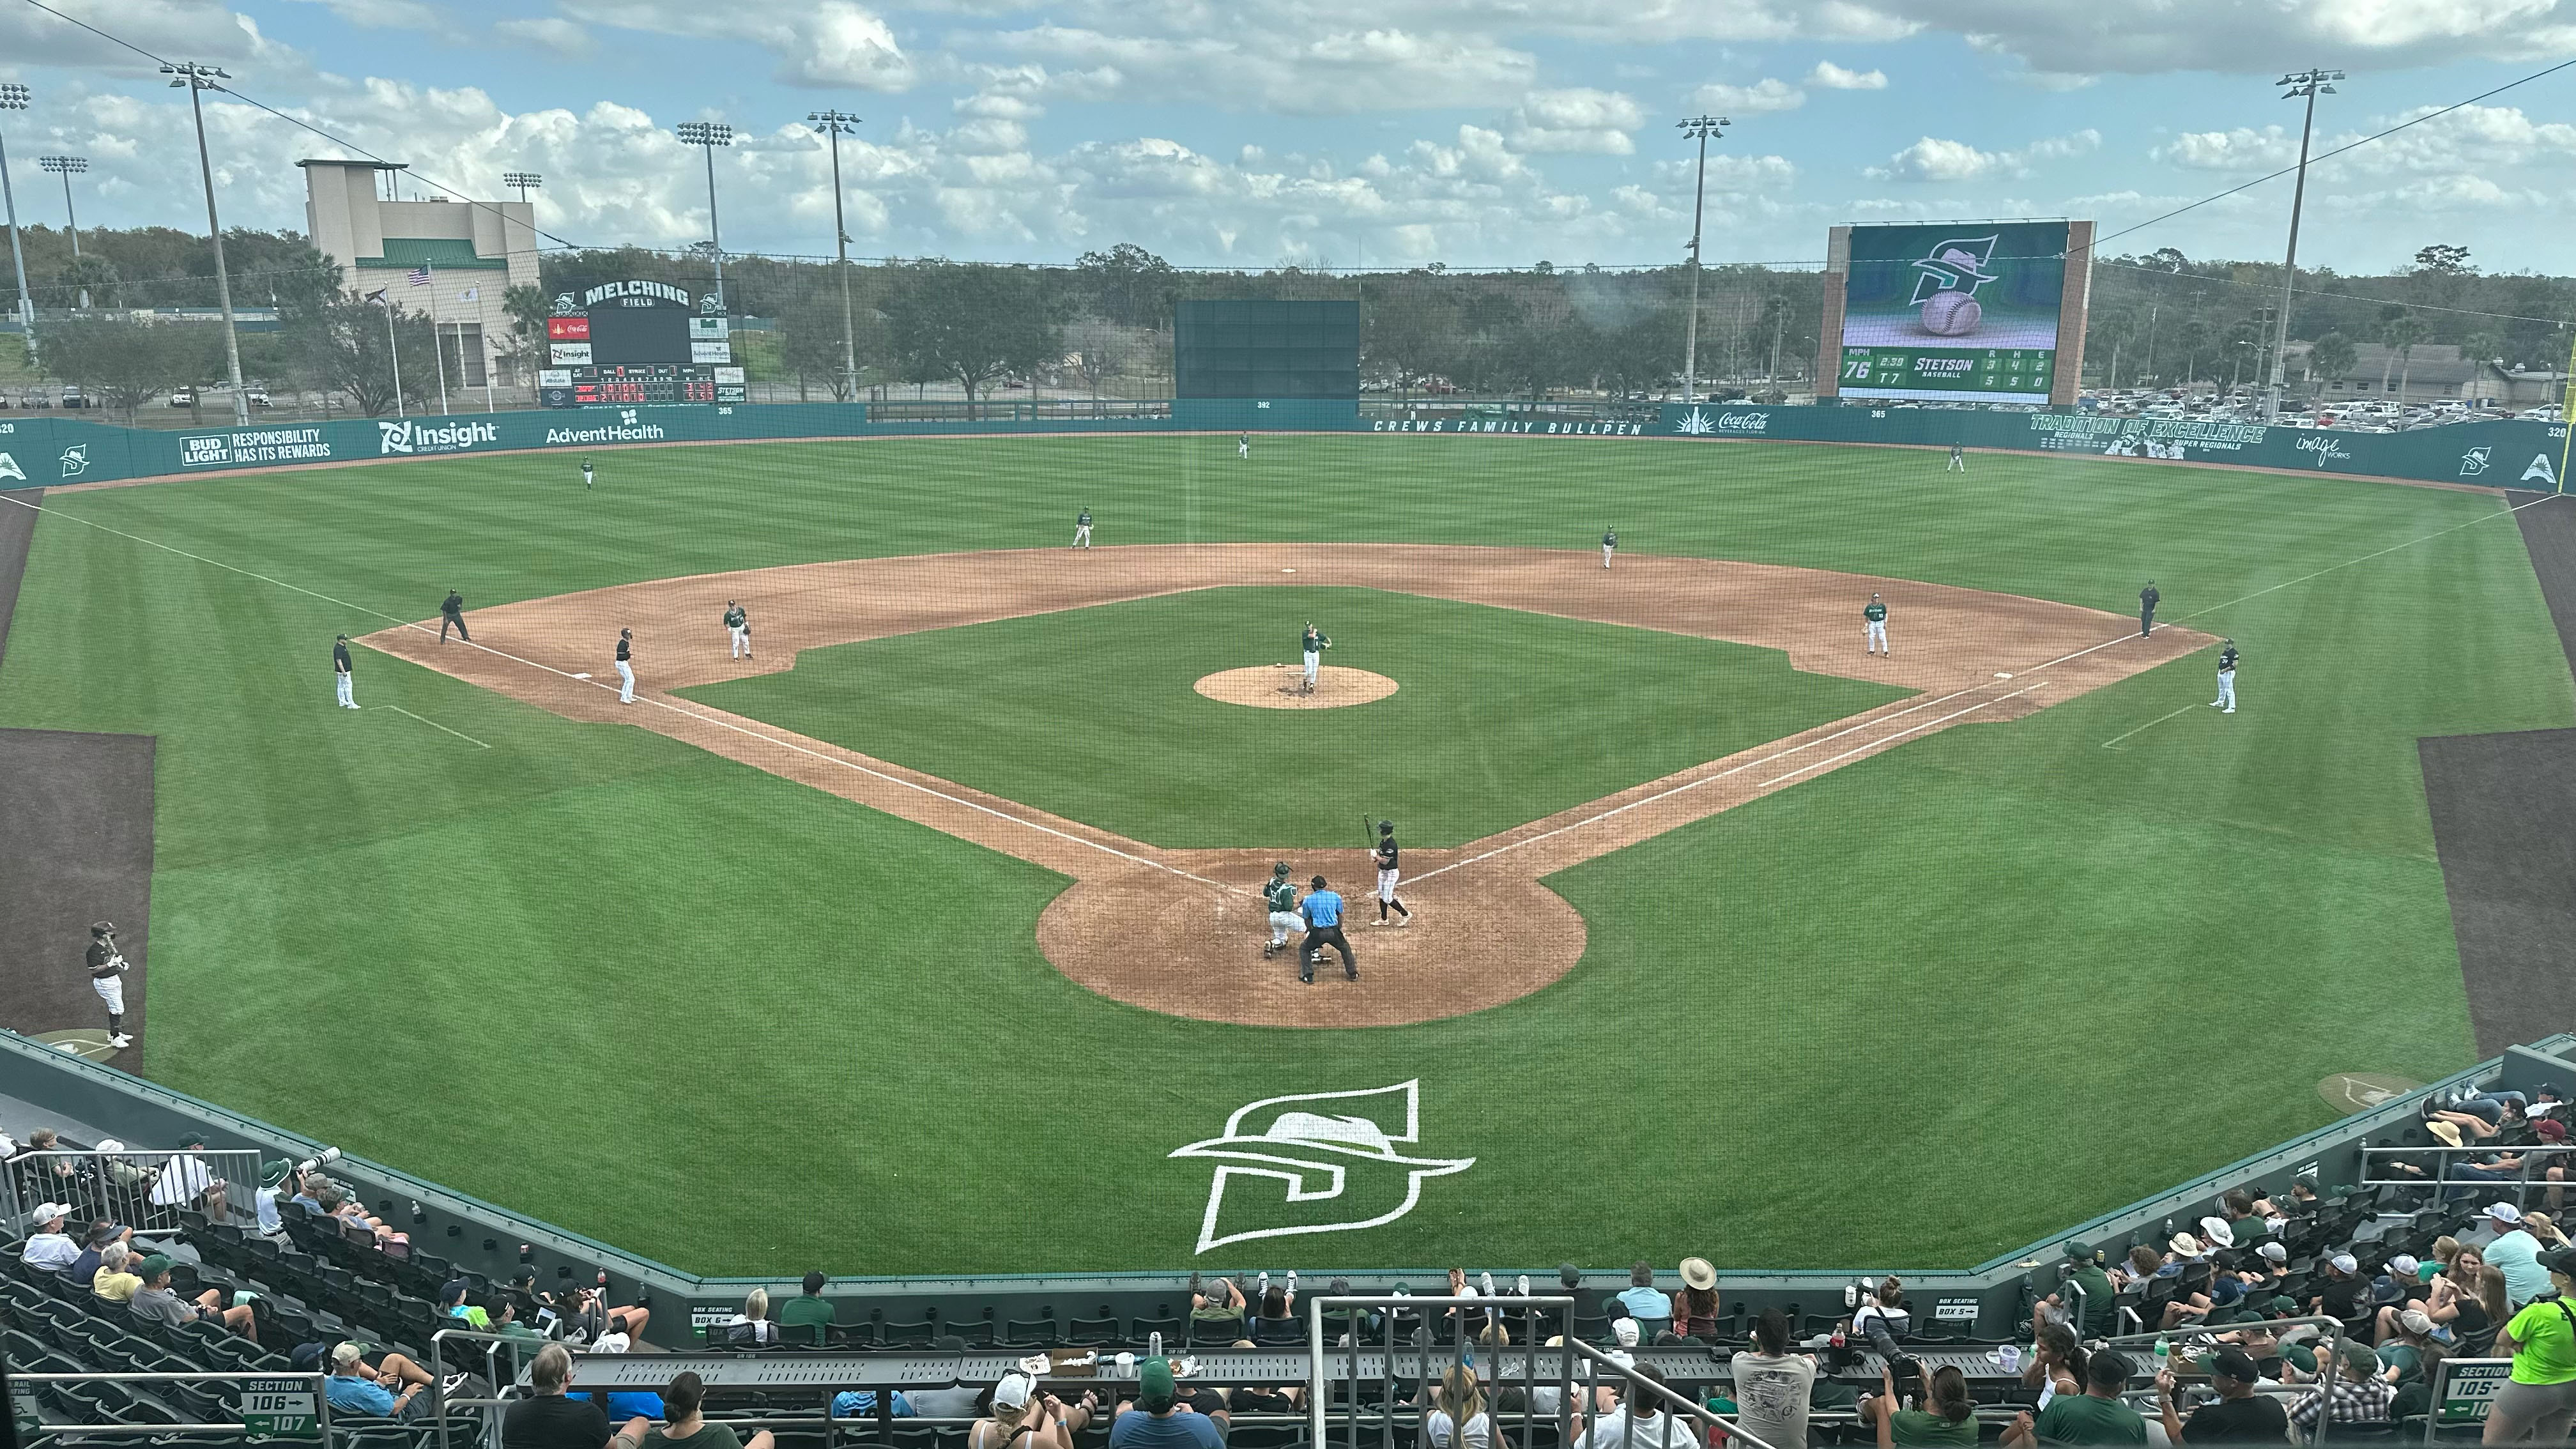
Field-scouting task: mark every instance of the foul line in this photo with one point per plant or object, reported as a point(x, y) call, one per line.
point(2505, 512)
point(433, 724)
point(2151, 724)
point(790, 745)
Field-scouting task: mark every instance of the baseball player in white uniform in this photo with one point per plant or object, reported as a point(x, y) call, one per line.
point(1281, 897)
point(738, 624)
point(1609, 545)
point(107, 968)
point(1312, 644)
point(1082, 529)
point(1873, 626)
point(2227, 657)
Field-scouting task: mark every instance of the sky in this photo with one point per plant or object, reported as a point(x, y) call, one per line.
point(1341, 133)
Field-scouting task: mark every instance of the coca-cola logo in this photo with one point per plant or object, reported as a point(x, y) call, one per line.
point(1743, 422)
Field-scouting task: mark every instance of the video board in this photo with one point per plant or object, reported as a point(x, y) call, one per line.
point(1957, 310)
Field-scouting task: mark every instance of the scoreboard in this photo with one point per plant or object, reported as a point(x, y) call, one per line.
point(2017, 374)
point(639, 385)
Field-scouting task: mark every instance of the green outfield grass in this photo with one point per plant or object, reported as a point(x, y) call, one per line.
point(1988, 984)
point(1500, 717)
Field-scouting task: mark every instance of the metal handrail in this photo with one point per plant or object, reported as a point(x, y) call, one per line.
point(2440, 1387)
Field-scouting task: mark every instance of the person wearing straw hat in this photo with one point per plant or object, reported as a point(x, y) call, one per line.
point(1695, 1307)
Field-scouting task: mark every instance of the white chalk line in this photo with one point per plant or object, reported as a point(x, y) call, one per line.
point(2505, 512)
point(433, 724)
point(789, 745)
point(2151, 724)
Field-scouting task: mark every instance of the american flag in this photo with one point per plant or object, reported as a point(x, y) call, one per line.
point(420, 276)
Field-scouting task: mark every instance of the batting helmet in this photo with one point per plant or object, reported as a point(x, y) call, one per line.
point(1280, 869)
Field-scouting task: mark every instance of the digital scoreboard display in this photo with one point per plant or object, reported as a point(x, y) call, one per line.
point(640, 385)
point(1955, 309)
point(638, 344)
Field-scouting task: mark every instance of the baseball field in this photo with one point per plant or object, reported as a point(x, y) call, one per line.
point(928, 939)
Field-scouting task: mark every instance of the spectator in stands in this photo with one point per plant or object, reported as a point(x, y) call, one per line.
point(359, 1387)
point(276, 1186)
point(2271, 1270)
point(2540, 1399)
point(2488, 1166)
point(809, 1310)
point(1639, 1422)
point(616, 1339)
point(686, 1426)
point(2543, 1231)
point(2241, 1416)
point(1457, 1419)
point(1023, 1418)
point(1216, 1310)
point(1277, 1321)
point(2551, 1135)
point(184, 1180)
point(1158, 1418)
point(84, 1269)
point(2412, 1355)
point(502, 1311)
point(1695, 1307)
point(1948, 1415)
point(2402, 1284)
point(49, 1247)
point(546, 1419)
point(752, 1324)
point(2088, 1290)
point(2339, 1296)
point(115, 1281)
point(61, 1172)
point(2095, 1416)
point(2516, 1254)
point(1651, 1306)
point(451, 1301)
point(2357, 1396)
point(577, 1315)
point(328, 1201)
point(2473, 1127)
point(2056, 1361)
point(1883, 1318)
point(155, 1300)
point(1773, 1385)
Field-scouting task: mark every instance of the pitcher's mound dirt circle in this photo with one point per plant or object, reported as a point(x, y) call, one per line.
point(1282, 686)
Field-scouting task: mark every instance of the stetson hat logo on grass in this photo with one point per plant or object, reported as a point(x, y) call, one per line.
point(1336, 1154)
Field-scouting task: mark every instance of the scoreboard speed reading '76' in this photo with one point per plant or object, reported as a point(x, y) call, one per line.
point(2022, 372)
point(631, 343)
point(1983, 311)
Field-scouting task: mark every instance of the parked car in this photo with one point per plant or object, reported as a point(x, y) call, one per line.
point(257, 397)
point(183, 398)
point(72, 398)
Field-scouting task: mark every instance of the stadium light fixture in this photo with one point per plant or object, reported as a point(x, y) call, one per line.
point(2307, 85)
point(68, 167)
point(524, 181)
point(708, 135)
point(13, 97)
point(1697, 128)
point(835, 125)
point(198, 79)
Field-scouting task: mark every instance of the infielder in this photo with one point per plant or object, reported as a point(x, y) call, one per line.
point(738, 624)
point(1281, 894)
point(1873, 628)
point(585, 475)
point(341, 679)
point(451, 610)
point(1958, 459)
point(1312, 644)
point(1082, 529)
point(1243, 446)
point(1322, 909)
point(107, 968)
point(1609, 545)
point(2148, 598)
point(625, 666)
point(2226, 701)
point(1387, 875)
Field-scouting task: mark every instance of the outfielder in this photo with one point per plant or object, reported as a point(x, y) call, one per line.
point(585, 475)
point(1958, 459)
point(1387, 875)
point(738, 624)
point(1322, 909)
point(1082, 529)
point(107, 968)
point(1873, 628)
point(1312, 644)
point(2226, 701)
point(1281, 894)
point(1243, 446)
point(451, 610)
point(1609, 545)
point(341, 678)
point(2148, 598)
point(625, 666)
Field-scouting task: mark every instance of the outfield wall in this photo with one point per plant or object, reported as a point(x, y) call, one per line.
point(41, 451)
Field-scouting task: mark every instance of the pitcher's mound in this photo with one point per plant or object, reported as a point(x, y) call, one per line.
point(1282, 686)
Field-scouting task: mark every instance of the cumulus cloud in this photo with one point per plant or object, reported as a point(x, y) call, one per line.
point(1834, 77)
point(1582, 120)
point(550, 33)
point(1326, 72)
point(1765, 94)
point(1934, 159)
point(832, 43)
point(2241, 149)
point(2238, 39)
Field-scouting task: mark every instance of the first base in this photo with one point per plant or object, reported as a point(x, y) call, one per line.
point(585, 674)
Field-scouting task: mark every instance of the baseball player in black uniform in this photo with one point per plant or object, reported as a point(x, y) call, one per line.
point(1958, 459)
point(2147, 601)
point(625, 666)
point(341, 678)
point(1387, 876)
point(2226, 701)
point(107, 968)
point(585, 475)
point(452, 611)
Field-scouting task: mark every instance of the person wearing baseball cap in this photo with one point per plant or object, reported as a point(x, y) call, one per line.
point(1159, 1418)
point(2339, 1296)
point(157, 1302)
point(2402, 1284)
point(1022, 1413)
point(2540, 1398)
point(49, 1247)
point(807, 1317)
point(2241, 1416)
point(2515, 1253)
point(2357, 1396)
point(2095, 1416)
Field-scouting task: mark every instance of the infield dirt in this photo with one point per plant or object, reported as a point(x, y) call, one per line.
point(1180, 931)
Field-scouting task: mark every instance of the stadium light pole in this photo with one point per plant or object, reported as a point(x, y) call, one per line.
point(708, 135)
point(68, 167)
point(199, 79)
point(1698, 128)
point(836, 124)
point(524, 181)
point(13, 97)
point(2308, 84)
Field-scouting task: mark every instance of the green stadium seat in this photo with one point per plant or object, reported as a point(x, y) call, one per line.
point(1091, 1332)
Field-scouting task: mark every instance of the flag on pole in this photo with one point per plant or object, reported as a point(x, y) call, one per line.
point(420, 276)
point(469, 294)
point(378, 297)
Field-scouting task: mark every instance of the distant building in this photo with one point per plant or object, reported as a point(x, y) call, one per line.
point(2426, 372)
point(473, 252)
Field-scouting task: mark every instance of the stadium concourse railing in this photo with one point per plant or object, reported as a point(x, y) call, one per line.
point(1980, 1303)
point(139, 1189)
point(39, 451)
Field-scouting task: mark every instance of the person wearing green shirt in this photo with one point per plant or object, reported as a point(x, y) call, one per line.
point(809, 1310)
point(2087, 1294)
point(1281, 898)
point(2540, 1401)
point(1873, 628)
point(2095, 1416)
point(1948, 1417)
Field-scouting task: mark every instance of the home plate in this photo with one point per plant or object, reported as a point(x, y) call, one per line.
point(1999, 674)
point(585, 674)
point(1287, 571)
